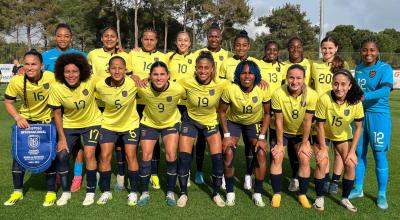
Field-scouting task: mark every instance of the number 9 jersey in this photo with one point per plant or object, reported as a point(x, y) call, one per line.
point(79, 104)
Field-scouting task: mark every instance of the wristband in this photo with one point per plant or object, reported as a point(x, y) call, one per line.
point(226, 135)
point(261, 137)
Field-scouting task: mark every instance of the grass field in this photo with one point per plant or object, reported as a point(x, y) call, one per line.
point(200, 205)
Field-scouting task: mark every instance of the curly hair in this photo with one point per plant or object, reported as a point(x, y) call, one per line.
point(254, 69)
point(72, 58)
point(355, 93)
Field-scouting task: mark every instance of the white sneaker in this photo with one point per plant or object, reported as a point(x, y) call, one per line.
point(293, 185)
point(219, 200)
point(258, 200)
point(247, 182)
point(346, 203)
point(63, 200)
point(104, 198)
point(132, 199)
point(230, 199)
point(89, 199)
point(182, 201)
point(223, 184)
point(319, 203)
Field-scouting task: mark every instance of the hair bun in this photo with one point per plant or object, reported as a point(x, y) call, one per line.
point(214, 25)
point(243, 32)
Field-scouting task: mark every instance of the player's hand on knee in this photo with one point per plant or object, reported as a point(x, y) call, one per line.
point(351, 159)
point(261, 144)
point(227, 142)
point(62, 145)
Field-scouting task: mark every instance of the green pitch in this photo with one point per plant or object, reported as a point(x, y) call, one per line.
point(200, 205)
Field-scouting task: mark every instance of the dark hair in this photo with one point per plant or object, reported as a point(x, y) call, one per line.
point(370, 40)
point(63, 25)
point(176, 50)
point(355, 93)
point(158, 64)
point(116, 58)
point(32, 52)
point(277, 45)
point(214, 26)
point(329, 39)
point(72, 58)
point(109, 28)
point(152, 30)
point(254, 69)
point(294, 39)
point(337, 62)
point(304, 87)
point(242, 34)
point(297, 66)
point(208, 56)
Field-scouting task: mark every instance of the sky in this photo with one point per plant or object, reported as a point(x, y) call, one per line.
point(375, 15)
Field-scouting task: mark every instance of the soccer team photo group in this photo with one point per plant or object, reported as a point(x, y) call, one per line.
point(124, 129)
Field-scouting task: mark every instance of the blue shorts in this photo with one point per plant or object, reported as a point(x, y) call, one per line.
point(376, 131)
point(314, 140)
point(90, 136)
point(191, 128)
point(149, 133)
point(127, 137)
point(251, 131)
point(289, 140)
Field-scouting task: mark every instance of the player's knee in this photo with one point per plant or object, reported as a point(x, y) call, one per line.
point(63, 159)
point(261, 157)
point(170, 155)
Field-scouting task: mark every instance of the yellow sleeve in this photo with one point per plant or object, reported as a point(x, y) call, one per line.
point(276, 104)
point(312, 100)
point(266, 95)
point(222, 71)
point(359, 112)
point(54, 98)
point(320, 111)
point(226, 95)
point(12, 89)
point(90, 58)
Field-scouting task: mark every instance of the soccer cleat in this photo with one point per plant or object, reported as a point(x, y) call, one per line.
point(199, 179)
point(223, 184)
point(230, 199)
point(155, 182)
point(346, 203)
point(247, 182)
point(326, 186)
point(182, 201)
point(119, 185)
point(257, 199)
point(144, 199)
point(356, 193)
point(293, 185)
point(49, 199)
point(219, 201)
point(381, 202)
point(303, 200)
point(89, 199)
point(276, 200)
point(132, 199)
point(319, 204)
point(170, 198)
point(333, 188)
point(76, 183)
point(63, 200)
point(104, 198)
point(14, 198)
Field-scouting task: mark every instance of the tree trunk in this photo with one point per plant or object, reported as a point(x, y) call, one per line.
point(118, 22)
point(193, 29)
point(28, 35)
point(166, 34)
point(185, 11)
point(136, 6)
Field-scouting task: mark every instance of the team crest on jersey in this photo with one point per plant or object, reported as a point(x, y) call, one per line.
point(221, 58)
point(169, 99)
point(212, 92)
point(346, 112)
point(124, 93)
point(189, 61)
point(156, 59)
point(372, 73)
point(255, 99)
point(85, 92)
point(46, 86)
point(278, 68)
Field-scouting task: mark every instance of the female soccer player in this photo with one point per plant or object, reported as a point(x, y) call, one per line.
point(293, 105)
point(141, 61)
point(33, 89)
point(248, 106)
point(161, 117)
point(99, 61)
point(321, 75)
point(375, 78)
point(203, 93)
point(270, 66)
point(335, 111)
point(120, 122)
point(295, 49)
point(77, 118)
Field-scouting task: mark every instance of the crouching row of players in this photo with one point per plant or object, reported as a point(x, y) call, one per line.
point(243, 108)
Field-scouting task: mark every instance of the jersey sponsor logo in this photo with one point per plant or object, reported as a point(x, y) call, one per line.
point(85, 92)
point(46, 86)
point(169, 99)
point(372, 73)
point(190, 61)
point(221, 58)
point(255, 99)
point(212, 92)
point(346, 112)
point(124, 93)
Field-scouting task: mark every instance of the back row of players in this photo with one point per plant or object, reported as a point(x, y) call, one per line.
point(238, 86)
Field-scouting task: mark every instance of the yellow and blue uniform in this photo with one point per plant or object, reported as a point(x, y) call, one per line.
point(322, 76)
point(141, 61)
point(272, 73)
point(228, 67)
point(305, 63)
point(219, 58)
point(181, 66)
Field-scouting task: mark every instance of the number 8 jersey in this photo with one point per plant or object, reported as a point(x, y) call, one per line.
point(80, 108)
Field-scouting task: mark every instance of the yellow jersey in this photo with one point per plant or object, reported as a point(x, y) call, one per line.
point(322, 76)
point(120, 113)
point(98, 59)
point(181, 66)
point(245, 108)
point(141, 62)
point(161, 107)
point(272, 73)
point(79, 104)
point(291, 108)
point(37, 95)
point(228, 67)
point(337, 118)
point(202, 100)
point(305, 63)
point(219, 58)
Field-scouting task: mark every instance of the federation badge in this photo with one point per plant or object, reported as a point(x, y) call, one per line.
point(124, 93)
point(185, 129)
point(156, 59)
point(221, 58)
point(372, 73)
point(33, 141)
point(85, 92)
point(189, 61)
point(143, 132)
point(255, 99)
point(169, 99)
point(46, 86)
point(278, 69)
point(346, 112)
point(212, 92)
